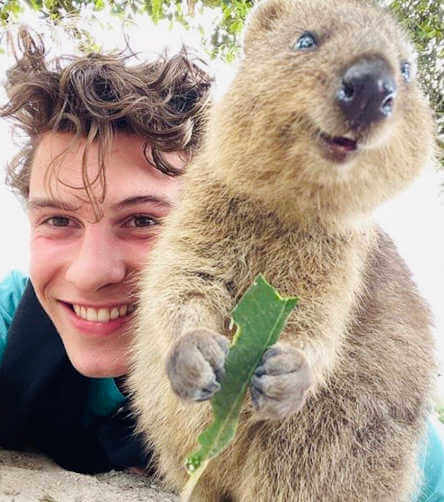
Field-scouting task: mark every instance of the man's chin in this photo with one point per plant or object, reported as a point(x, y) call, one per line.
point(91, 369)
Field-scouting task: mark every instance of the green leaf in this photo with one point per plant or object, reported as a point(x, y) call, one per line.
point(157, 10)
point(260, 317)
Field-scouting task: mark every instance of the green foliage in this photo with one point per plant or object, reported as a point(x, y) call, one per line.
point(260, 317)
point(423, 18)
point(222, 42)
point(10, 9)
point(440, 410)
point(225, 39)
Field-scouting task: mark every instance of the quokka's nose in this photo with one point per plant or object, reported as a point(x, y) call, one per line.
point(367, 92)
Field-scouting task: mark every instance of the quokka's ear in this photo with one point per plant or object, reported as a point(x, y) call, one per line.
point(263, 18)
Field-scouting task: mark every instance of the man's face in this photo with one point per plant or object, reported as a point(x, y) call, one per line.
point(81, 269)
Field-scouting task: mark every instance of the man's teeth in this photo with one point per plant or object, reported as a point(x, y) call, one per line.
point(103, 314)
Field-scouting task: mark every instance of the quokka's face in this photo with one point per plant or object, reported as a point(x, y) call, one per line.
point(332, 89)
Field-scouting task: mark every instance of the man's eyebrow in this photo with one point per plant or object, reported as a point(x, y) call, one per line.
point(143, 199)
point(44, 202)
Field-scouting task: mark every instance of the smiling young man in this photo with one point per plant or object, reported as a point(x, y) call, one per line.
point(106, 145)
point(81, 269)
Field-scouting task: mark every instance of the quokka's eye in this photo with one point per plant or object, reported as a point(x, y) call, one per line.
point(406, 71)
point(306, 41)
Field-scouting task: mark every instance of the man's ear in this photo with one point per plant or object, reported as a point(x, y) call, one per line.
point(263, 18)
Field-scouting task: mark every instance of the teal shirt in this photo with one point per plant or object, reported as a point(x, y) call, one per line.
point(104, 397)
point(432, 463)
point(11, 291)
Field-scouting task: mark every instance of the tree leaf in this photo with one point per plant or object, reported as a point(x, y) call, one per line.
point(260, 317)
point(157, 10)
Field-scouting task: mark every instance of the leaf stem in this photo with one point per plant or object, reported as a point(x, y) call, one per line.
point(188, 489)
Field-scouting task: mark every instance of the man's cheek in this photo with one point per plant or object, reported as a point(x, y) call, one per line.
point(42, 246)
point(137, 253)
point(45, 257)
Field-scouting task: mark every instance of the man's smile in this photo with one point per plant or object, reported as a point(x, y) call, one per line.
point(103, 314)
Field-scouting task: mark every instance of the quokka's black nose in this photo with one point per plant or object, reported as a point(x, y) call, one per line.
point(367, 92)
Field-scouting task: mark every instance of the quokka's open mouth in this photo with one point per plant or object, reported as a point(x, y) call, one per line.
point(338, 148)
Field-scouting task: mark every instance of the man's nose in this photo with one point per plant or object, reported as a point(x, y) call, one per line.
point(97, 262)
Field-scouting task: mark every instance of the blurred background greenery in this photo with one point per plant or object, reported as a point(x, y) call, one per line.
point(422, 18)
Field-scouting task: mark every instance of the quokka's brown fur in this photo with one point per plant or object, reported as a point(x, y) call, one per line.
point(265, 196)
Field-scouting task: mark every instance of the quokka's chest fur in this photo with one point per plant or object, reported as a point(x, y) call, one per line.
point(235, 238)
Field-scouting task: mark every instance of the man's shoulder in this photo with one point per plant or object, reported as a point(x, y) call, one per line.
point(12, 287)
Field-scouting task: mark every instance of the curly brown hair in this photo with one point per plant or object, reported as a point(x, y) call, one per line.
point(97, 95)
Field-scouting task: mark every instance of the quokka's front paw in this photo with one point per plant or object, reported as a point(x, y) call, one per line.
point(280, 383)
point(195, 364)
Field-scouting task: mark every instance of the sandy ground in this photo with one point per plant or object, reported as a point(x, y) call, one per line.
point(33, 478)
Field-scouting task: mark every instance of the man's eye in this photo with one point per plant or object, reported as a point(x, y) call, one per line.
point(58, 221)
point(141, 221)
